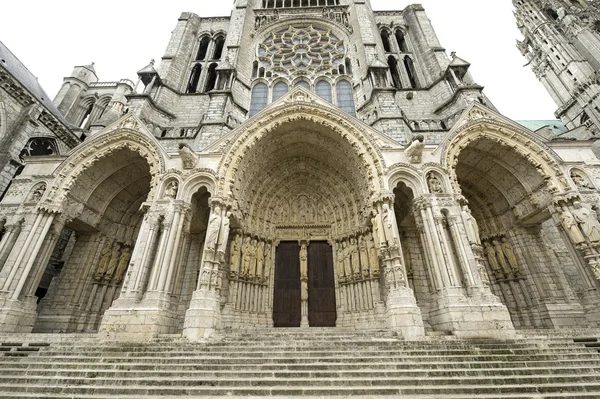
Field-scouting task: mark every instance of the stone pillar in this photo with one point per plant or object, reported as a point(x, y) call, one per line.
point(144, 307)
point(466, 309)
point(403, 314)
point(583, 231)
point(304, 282)
point(23, 269)
point(204, 314)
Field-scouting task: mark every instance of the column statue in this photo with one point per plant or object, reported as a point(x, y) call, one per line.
point(268, 261)
point(589, 225)
point(501, 257)
point(570, 225)
point(234, 258)
point(224, 233)
point(103, 264)
point(373, 256)
point(114, 261)
point(364, 256)
point(246, 249)
point(510, 256)
point(491, 256)
point(388, 224)
point(348, 259)
point(212, 230)
point(123, 263)
point(260, 259)
point(339, 264)
point(252, 257)
point(378, 233)
point(355, 258)
point(470, 225)
point(303, 262)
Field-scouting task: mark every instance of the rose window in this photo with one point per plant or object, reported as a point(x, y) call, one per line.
point(301, 50)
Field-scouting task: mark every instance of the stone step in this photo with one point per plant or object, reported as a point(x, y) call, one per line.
point(570, 395)
point(535, 390)
point(99, 372)
point(346, 366)
point(284, 358)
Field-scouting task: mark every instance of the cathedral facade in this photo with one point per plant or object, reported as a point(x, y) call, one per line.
point(304, 163)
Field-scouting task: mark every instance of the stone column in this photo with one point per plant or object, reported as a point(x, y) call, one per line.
point(204, 314)
point(468, 309)
point(27, 256)
point(304, 282)
point(144, 307)
point(403, 314)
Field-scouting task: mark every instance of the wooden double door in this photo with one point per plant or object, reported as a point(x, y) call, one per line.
point(287, 299)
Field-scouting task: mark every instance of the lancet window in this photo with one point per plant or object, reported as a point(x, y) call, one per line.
point(203, 74)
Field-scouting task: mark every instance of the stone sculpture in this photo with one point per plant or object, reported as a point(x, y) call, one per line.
point(588, 224)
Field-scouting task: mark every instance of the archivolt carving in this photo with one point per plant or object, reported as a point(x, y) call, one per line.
point(538, 155)
point(301, 166)
point(83, 157)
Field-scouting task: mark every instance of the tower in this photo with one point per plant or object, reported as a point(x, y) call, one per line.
point(562, 45)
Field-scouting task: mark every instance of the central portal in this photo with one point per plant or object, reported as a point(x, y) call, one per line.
point(287, 298)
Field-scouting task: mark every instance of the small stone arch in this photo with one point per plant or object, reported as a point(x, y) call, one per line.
point(410, 176)
point(194, 182)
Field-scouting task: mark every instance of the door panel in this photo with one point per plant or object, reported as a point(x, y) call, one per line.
point(321, 285)
point(286, 299)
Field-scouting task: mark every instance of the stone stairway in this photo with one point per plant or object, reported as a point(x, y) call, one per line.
point(293, 362)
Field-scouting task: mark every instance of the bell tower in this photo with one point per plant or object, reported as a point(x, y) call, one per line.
point(562, 46)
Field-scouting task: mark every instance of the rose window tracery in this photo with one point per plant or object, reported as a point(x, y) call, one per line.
point(302, 50)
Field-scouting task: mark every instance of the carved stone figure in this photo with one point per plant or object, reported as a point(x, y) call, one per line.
point(510, 256)
point(470, 225)
point(355, 258)
point(171, 191)
point(581, 181)
point(224, 232)
point(188, 157)
point(303, 262)
point(491, 256)
point(339, 264)
point(248, 258)
point(364, 256)
point(501, 257)
point(435, 186)
point(415, 149)
point(268, 261)
point(234, 252)
point(260, 258)
point(569, 223)
point(37, 194)
point(588, 224)
point(114, 261)
point(378, 232)
point(212, 230)
point(388, 224)
point(104, 259)
point(123, 263)
point(373, 256)
point(347, 260)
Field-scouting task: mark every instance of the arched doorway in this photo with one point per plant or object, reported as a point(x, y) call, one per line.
point(300, 254)
point(531, 266)
point(88, 265)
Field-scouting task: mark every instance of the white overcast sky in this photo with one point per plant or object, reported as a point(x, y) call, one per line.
point(121, 36)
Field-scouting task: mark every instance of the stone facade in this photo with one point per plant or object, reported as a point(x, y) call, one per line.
point(197, 199)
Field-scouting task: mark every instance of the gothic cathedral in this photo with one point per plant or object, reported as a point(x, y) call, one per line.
point(305, 163)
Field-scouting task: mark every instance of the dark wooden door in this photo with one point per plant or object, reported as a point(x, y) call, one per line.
point(286, 298)
point(321, 285)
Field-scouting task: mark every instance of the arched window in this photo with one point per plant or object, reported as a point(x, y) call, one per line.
point(259, 98)
point(194, 79)
point(385, 39)
point(279, 90)
point(219, 44)
point(211, 78)
point(410, 70)
point(303, 83)
point(85, 119)
point(39, 146)
point(393, 64)
point(551, 14)
point(324, 90)
point(401, 41)
point(345, 97)
point(203, 49)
